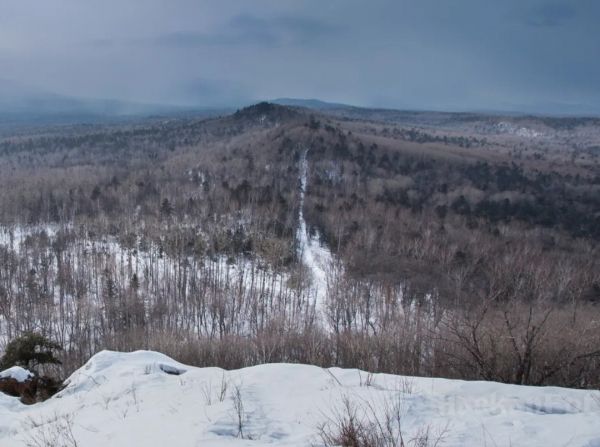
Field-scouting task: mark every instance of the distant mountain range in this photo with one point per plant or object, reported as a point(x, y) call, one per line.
point(24, 105)
point(311, 103)
point(552, 109)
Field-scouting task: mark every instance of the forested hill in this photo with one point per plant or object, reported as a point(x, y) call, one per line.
point(183, 234)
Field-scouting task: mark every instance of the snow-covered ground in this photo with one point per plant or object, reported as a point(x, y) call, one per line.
point(315, 256)
point(506, 128)
point(161, 275)
point(121, 399)
point(15, 235)
point(157, 272)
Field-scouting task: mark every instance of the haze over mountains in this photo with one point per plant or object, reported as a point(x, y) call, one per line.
point(22, 104)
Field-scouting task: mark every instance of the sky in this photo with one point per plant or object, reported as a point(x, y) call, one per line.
point(528, 55)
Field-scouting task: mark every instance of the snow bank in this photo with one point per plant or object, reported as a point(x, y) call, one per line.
point(131, 399)
point(17, 373)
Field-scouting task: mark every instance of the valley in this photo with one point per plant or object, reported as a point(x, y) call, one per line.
point(284, 225)
point(416, 245)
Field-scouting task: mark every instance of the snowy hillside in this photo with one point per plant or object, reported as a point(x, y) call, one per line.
point(145, 398)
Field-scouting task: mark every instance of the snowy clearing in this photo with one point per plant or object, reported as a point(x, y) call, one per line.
point(316, 257)
point(146, 398)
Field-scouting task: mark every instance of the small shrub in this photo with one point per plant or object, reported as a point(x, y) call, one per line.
point(30, 351)
point(370, 425)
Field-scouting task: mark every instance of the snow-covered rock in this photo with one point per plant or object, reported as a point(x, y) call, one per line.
point(16, 373)
point(132, 399)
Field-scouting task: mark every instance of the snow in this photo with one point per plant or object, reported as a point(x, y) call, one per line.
point(13, 236)
point(525, 132)
point(157, 270)
point(315, 256)
point(17, 373)
point(125, 399)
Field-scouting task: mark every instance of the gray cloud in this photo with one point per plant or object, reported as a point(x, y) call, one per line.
point(213, 92)
point(248, 29)
point(551, 14)
point(460, 54)
point(285, 29)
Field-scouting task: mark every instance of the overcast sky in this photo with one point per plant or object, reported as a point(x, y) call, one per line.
point(539, 55)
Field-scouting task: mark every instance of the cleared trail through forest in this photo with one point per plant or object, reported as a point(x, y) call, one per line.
point(315, 255)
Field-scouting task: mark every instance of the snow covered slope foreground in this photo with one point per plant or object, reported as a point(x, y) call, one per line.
point(147, 399)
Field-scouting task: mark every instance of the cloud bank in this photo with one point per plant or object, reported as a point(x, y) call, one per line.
point(529, 55)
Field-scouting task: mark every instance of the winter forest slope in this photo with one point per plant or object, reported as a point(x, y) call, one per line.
point(446, 240)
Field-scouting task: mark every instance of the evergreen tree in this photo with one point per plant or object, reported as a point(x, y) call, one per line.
point(29, 351)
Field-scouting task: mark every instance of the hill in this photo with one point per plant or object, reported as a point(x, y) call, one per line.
point(280, 234)
point(316, 104)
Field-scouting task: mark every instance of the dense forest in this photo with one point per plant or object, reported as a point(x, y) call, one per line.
point(455, 250)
